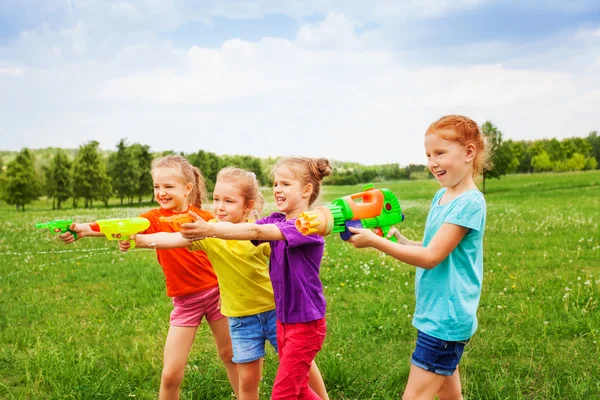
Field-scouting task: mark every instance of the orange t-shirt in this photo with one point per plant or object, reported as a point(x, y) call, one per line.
point(186, 272)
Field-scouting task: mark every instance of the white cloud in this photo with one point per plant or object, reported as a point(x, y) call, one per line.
point(12, 71)
point(332, 91)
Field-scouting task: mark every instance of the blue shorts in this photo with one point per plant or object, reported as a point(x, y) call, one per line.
point(249, 335)
point(438, 356)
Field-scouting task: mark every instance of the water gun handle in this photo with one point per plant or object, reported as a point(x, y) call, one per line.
point(72, 233)
point(380, 231)
point(383, 232)
point(122, 238)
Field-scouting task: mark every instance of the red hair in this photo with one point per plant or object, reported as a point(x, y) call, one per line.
point(465, 131)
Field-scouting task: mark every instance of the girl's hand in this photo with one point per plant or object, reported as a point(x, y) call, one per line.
point(362, 237)
point(79, 229)
point(395, 232)
point(125, 245)
point(195, 230)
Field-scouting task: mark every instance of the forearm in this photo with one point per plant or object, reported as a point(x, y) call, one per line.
point(403, 240)
point(85, 229)
point(413, 253)
point(244, 231)
point(161, 240)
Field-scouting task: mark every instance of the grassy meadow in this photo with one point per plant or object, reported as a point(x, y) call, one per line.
point(88, 322)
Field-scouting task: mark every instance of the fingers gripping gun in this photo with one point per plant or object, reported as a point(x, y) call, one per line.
point(121, 229)
point(57, 226)
point(378, 210)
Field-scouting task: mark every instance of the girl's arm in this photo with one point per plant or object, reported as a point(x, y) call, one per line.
point(441, 245)
point(82, 230)
point(402, 239)
point(226, 230)
point(159, 240)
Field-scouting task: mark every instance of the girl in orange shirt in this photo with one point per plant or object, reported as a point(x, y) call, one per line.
point(191, 281)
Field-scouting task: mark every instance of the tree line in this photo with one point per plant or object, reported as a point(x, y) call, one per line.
point(94, 175)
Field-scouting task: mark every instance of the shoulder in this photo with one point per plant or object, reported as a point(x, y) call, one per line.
point(473, 198)
point(272, 219)
point(438, 195)
point(152, 214)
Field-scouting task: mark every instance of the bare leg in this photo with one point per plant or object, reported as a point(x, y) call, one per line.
point(451, 388)
point(249, 375)
point(220, 330)
point(316, 383)
point(177, 348)
point(422, 385)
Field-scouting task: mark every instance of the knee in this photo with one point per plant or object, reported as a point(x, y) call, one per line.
point(248, 384)
point(226, 355)
point(450, 394)
point(171, 378)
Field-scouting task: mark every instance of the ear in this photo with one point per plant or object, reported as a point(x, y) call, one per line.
point(470, 152)
point(188, 188)
point(248, 207)
point(308, 189)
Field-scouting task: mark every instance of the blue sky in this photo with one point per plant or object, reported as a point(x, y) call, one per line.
point(353, 80)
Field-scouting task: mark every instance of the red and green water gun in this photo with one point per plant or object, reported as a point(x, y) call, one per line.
point(376, 209)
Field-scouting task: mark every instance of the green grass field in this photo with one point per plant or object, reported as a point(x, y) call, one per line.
point(87, 322)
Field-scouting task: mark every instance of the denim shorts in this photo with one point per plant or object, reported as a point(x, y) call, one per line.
point(438, 356)
point(249, 335)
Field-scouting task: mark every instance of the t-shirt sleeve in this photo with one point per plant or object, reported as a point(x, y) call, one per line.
point(197, 245)
point(151, 216)
point(294, 237)
point(467, 212)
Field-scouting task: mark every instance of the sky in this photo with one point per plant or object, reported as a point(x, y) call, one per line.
point(350, 80)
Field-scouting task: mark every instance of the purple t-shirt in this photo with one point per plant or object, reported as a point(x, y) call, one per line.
point(294, 269)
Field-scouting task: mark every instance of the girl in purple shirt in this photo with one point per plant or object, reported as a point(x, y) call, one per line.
point(294, 269)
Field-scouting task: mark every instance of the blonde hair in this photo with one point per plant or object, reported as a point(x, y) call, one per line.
point(188, 174)
point(248, 184)
point(465, 131)
point(307, 170)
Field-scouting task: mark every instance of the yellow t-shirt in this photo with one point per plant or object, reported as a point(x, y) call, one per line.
point(243, 273)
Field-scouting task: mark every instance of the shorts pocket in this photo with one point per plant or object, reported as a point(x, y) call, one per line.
point(234, 322)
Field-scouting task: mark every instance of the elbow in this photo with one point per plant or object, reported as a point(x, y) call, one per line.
point(427, 265)
point(430, 262)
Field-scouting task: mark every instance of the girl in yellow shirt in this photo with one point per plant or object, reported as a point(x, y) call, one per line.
point(243, 274)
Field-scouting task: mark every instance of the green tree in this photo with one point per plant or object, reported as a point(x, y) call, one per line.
point(209, 165)
point(541, 162)
point(143, 159)
point(590, 163)
point(594, 141)
point(59, 179)
point(90, 179)
point(20, 182)
point(502, 159)
point(123, 171)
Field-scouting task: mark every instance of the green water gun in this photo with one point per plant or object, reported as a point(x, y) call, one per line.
point(121, 229)
point(372, 208)
point(57, 226)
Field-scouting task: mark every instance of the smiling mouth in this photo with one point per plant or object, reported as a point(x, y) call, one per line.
point(439, 174)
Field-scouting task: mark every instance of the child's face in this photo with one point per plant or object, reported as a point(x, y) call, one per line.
point(291, 196)
point(170, 191)
point(229, 204)
point(447, 160)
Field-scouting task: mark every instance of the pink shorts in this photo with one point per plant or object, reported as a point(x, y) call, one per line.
point(189, 309)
